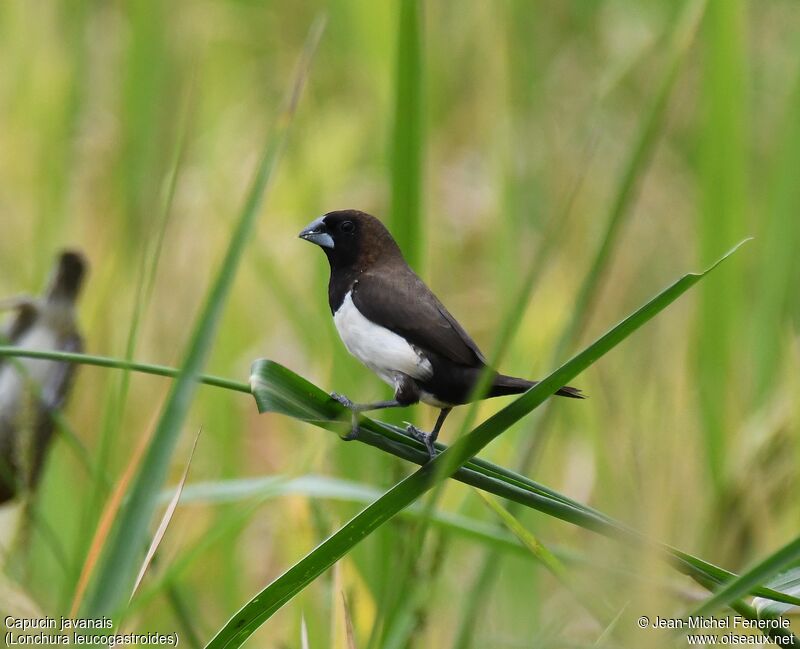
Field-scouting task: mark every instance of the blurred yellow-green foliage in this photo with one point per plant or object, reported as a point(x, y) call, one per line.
point(531, 111)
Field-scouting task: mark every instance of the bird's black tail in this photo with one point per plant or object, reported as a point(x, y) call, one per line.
point(503, 385)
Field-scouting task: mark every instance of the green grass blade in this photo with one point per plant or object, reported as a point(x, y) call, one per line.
point(678, 41)
point(758, 574)
point(302, 573)
point(787, 582)
point(780, 274)
point(121, 364)
point(722, 221)
point(317, 486)
point(632, 174)
point(217, 534)
point(408, 134)
point(544, 556)
point(527, 538)
point(237, 490)
point(509, 415)
point(166, 519)
point(185, 617)
point(261, 489)
point(118, 395)
point(126, 544)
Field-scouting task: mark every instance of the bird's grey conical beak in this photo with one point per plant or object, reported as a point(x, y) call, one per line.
point(317, 232)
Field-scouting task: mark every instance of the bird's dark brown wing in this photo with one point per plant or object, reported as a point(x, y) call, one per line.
point(400, 301)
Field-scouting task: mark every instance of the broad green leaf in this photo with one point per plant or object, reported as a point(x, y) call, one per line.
point(302, 573)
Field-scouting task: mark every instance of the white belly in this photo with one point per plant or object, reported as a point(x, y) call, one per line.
point(381, 350)
point(12, 382)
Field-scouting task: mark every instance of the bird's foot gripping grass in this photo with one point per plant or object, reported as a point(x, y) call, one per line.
point(421, 436)
point(343, 400)
point(354, 410)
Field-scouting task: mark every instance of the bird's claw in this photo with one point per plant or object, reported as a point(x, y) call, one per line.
point(354, 430)
point(342, 400)
point(422, 436)
point(353, 434)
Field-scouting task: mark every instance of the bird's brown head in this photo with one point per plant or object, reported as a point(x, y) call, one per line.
point(352, 239)
point(67, 277)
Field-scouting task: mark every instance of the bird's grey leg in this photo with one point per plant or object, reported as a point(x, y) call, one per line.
point(356, 408)
point(364, 407)
point(406, 393)
point(429, 438)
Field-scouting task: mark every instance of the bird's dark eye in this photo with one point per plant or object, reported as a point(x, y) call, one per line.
point(347, 227)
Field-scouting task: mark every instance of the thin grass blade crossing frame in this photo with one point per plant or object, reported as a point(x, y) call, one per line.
point(121, 555)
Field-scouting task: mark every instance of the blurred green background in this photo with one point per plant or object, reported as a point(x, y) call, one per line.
point(489, 136)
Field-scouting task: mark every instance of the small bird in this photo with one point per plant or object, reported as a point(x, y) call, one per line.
point(31, 390)
point(393, 323)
